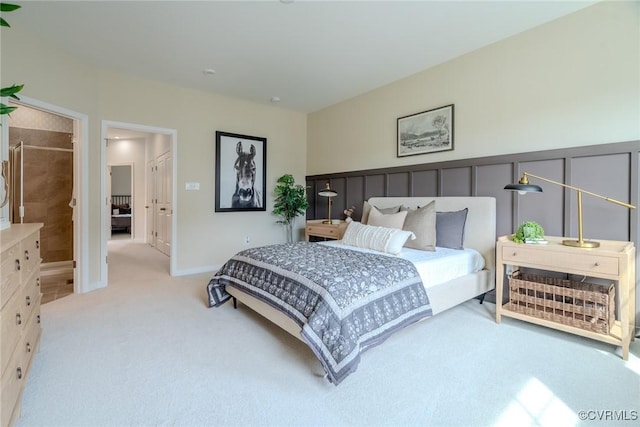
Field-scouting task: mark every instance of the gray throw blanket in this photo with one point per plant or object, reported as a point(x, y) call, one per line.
point(344, 301)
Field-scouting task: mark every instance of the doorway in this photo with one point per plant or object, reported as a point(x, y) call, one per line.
point(120, 185)
point(44, 147)
point(150, 153)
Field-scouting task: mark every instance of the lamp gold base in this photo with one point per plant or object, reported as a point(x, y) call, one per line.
point(581, 244)
point(326, 221)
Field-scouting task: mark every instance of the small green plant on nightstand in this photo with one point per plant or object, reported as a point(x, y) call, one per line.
point(529, 232)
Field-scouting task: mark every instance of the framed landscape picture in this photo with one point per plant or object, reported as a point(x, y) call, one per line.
point(241, 172)
point(427, 132)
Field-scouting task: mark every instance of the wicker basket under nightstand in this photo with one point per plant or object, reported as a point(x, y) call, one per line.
point(583, 305)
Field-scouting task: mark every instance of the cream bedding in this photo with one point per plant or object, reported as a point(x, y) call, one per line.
point(436, 267)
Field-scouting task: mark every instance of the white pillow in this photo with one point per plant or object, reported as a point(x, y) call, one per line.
point(394, 220)
point(381, 239)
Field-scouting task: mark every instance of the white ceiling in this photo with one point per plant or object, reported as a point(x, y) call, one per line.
point(310, 54)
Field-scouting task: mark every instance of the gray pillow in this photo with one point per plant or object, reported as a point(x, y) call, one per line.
point(450, 229)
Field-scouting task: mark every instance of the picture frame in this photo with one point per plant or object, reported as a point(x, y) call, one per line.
point(426, 132)
point(241, 172)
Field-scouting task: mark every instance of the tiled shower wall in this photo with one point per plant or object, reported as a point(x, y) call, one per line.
point(48, 187)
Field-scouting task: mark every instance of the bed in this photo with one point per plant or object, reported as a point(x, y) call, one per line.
point(121, 213)
point(245, 278)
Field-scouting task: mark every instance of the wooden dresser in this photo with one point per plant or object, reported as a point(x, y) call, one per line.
point(20, 313)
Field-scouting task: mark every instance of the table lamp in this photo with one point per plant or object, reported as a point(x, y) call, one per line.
point(328, 193)
point(523, 187)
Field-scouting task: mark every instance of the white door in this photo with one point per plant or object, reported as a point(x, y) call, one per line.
point(150, 205)
point(163, 205)
point(168, 180)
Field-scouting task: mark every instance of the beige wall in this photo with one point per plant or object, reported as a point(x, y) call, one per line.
point(568, 83)
point(571, 82)
point(204, 239)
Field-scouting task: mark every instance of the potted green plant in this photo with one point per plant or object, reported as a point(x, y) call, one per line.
point(290, 202)
point(529, 232)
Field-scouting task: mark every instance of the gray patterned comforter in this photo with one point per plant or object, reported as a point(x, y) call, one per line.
point(344, 301)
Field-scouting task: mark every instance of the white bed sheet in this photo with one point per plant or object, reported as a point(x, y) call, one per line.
point(439, 266)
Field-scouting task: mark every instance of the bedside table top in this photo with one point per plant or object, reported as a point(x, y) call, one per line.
point(320, 222)
point(555, 244)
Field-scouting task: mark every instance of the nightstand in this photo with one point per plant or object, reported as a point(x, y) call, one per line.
point(613, 260)
point(316, 228)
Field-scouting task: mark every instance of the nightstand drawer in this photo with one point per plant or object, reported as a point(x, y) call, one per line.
point(319, 230)
point(586, 263)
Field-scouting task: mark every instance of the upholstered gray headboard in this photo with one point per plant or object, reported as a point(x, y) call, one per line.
point(480, 228)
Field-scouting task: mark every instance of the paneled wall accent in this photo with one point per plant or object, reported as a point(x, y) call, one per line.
point(607, 169)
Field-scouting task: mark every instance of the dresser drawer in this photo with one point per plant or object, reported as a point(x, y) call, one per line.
point(31, 338)
point(31, 295)
point(585, 263)
point(10, 265)
point(11, 324)
point(30, 254)
point(12, 383)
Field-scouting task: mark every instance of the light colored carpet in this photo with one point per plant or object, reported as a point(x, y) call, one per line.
point(146, 351)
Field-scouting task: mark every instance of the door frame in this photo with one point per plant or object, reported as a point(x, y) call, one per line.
point(80, 183)
point(105, 220)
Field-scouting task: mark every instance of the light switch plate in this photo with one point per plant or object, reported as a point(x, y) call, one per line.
point(190, 186)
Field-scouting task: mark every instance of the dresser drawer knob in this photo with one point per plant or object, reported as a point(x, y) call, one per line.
point(38, 319)
point(38, 281)
point(28, 347)
point(515, 254)
point(18, 265)
point(26, 255)
point(18, 319)
point(19, 373)
point(28, 300)
point(596, 264)
point(37, 244)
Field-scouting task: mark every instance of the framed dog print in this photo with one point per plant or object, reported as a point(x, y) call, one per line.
point(241, 172)
point(426, 132)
